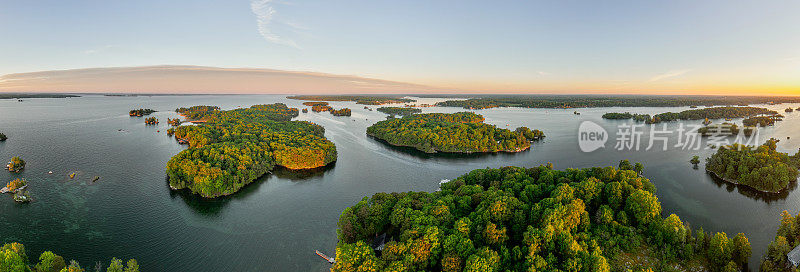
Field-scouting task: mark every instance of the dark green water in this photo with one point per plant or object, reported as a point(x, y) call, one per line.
point(276, 223)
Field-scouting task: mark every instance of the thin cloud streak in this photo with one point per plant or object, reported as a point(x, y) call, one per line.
point(265, 16)
point(670, 74)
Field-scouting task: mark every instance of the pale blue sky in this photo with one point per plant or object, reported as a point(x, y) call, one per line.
point(536, 46)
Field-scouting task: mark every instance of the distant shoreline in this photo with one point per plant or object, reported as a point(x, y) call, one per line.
point(34, 95)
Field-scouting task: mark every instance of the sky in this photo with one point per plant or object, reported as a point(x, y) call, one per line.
point(619, 47)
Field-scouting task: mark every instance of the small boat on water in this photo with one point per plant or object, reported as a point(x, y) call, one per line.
point(50, 172)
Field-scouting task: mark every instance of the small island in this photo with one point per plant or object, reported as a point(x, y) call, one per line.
point(341, 112)
point(359, 99)
point(530, 219)
point(761, 168)
point(151, 121)
point(140, 112)
point(762, 121)
point(462, 132)
point(401, 111)
point(17, 187)
point(3, 137)
point(15, 165)
point(235, 147)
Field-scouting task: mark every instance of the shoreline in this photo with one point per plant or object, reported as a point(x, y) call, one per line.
point(450, 152)
point(736, 182)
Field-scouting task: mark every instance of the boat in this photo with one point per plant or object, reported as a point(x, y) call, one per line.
point(50, 172)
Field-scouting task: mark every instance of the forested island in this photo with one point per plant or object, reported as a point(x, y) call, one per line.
point(626, 116)
point(786, 239)
point(462, 132)
point(530, 219)
point(16, 164)
point(359, 99)
point(694, 114)
point(140, 112)
point(341, 112)
point(762, 168)
point(762, 121)
point(590, 101)
point(196, 113)
point(13, 258)
point(151, 121)
point(235, 147)
point(3, 137)
point(402, 111)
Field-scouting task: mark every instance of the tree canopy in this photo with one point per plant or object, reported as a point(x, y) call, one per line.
point(14, 259)
point(16, 164)
point(399, 110)
point(235, 147)
point(762, 168)
point(462, 132)
point(528, 219)
point(141, 112)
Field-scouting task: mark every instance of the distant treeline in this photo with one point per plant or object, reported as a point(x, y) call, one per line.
point(34, 95)
point(586, 101)
point(359, 99)
point(694, 114)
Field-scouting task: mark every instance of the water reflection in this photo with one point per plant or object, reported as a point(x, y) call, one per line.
point(753, 193)
point(297, 175)
point(212, 207)
point(444, 155)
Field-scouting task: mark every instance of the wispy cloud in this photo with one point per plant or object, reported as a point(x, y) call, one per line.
point(265, 16)
point(543, 73)
point(670, 74)
point(96, 50)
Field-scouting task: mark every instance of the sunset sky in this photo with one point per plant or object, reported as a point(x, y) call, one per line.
point(652, 47)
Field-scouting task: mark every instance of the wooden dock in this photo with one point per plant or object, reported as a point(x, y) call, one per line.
point(329, 259)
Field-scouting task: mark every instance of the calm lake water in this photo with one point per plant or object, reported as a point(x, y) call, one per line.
point(276, 223)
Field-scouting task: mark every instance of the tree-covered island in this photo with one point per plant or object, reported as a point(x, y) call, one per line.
point(3, 137)
point(462, 132)
point(530, 219)
point(140, 112)
point(341, 112)
point(401, 111)
point(151, 121)
point(235, 147)
point(761, 168)
point(15, 165)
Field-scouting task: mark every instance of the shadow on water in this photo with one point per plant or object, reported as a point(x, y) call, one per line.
point(445, 155)
point(753, 193)
point(211, 207)
point(301, 174)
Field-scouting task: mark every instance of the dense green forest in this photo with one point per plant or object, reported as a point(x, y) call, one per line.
point(627, 115)
point(530, 219)
point(197, 112)
point(16, 164)
point(762, 121)
point(359, 99)
point(341, 112)
point(786, 239)
point(140, 112)
point(235, 147)
point(711, 113)
point(399, 110)
point(761, 168)
point(588, 101)
point(462, 132)
point(13, 258)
